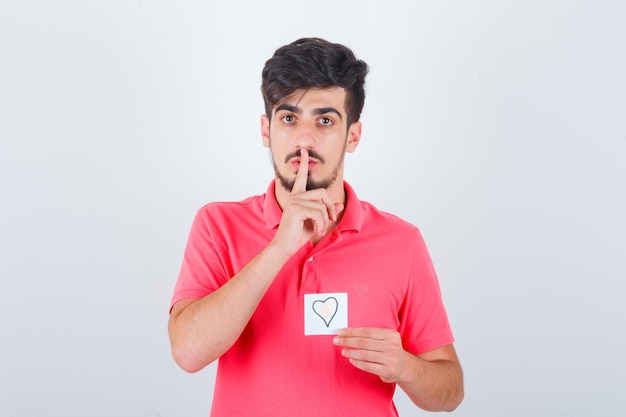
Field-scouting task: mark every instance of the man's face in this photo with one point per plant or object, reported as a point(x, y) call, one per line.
point(315, 120)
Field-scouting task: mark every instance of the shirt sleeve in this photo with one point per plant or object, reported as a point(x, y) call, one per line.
point(202, 270)
point(424, 323)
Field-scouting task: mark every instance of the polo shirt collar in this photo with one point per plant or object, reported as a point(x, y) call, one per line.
point(354, 214)
point(352, 218)
point(271, 210)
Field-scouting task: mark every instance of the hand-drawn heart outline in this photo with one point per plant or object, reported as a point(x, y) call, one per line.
point(326, 309)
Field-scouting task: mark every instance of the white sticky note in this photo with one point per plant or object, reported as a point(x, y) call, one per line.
point(325, 313)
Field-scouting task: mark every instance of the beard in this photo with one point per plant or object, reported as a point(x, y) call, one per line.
point(311, 184)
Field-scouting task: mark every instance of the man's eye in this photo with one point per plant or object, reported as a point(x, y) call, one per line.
point(288, 118)
point(326, 121)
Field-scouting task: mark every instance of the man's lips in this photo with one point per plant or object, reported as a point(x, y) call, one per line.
point(295, 156)
point(296, 163)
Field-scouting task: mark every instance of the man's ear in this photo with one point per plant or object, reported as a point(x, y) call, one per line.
point(354, 136)
point(265, 130)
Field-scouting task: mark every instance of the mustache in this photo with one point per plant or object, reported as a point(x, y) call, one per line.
point(298, 154)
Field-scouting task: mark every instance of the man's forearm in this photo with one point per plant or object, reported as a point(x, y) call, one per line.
point(433, 385)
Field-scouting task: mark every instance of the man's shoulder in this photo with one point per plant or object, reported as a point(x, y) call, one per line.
point(375, 215)
point(245, 207)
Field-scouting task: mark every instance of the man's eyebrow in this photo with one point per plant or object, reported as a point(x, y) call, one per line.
point(287, 107)
point(325, 110)
point(297, 110)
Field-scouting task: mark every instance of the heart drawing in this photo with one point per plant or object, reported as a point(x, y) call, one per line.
point(326, 309)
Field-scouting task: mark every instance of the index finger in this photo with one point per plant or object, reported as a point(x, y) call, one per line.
point(299, 186)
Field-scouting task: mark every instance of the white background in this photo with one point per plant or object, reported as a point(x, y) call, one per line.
point(497, 127)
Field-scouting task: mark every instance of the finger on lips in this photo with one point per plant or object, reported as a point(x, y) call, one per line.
point(319, 195)
point(299, 186)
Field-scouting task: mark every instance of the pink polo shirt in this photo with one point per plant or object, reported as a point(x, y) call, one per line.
point(273, 369)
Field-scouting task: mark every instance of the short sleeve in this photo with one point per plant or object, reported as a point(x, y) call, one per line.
point(424, 324)
point(201, 272)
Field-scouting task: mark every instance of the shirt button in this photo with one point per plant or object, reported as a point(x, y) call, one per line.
point(310, 259)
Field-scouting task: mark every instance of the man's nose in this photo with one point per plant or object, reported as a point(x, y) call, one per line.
point(304, 136)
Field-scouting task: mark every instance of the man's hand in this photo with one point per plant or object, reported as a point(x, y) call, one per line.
point(378, 351)
point(306, 213)
point(433, 380)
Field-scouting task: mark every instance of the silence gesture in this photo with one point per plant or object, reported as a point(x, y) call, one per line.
point(307, 215)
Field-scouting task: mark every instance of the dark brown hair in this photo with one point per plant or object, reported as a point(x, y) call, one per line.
point(314, 63)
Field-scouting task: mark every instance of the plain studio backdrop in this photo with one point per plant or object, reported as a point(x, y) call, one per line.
point(497, 127)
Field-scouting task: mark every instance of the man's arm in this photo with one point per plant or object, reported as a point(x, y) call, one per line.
point(203, 330)
point(433, 380)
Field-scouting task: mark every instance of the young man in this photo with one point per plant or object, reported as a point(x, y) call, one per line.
point(315, 303)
